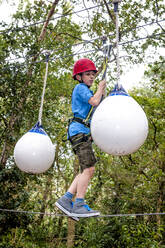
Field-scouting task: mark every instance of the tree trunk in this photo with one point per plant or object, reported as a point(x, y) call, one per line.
point(46, 195)
point(71, 233)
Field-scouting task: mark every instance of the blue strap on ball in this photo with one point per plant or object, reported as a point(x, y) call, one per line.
point(118, 90)
point(37, 129)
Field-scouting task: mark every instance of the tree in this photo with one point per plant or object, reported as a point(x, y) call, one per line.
point(18, 95)
point(128, 184)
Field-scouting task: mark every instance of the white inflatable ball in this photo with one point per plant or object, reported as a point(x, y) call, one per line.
point(119, 125)
point(34, 152)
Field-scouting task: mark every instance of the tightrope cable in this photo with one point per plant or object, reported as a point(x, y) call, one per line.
point(62, 215)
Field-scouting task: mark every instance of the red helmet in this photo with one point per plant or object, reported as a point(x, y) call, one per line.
point(83, 65)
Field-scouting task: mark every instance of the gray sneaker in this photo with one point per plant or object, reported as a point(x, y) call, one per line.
point(66, 205)
point(80, 209)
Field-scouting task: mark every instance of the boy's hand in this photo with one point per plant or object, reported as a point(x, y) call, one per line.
point(102, 86)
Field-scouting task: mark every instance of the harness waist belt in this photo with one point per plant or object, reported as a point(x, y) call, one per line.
point(79, 139)
point(81, 121)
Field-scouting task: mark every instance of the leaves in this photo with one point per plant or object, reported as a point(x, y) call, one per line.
point(126, 184)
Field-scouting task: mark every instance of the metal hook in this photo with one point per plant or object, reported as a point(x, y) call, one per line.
point(116, 4)
point(47, 54)
point(107, 51)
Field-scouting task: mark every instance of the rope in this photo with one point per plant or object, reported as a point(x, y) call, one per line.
point(61, 215)
point(43, 92)
point(106, 52)
point(28, 212)
point(117, 41)
point(129, 215)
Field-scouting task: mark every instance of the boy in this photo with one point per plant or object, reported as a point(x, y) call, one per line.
point(83, 99)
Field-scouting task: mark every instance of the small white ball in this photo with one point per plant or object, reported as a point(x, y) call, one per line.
point(34, 153)
point(119, 125)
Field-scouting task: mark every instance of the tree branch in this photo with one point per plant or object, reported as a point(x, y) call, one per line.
point(51, 12)
point(109, 12)
point(157, 15)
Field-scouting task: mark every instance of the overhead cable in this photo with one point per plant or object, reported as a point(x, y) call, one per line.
point(52, 19)
point(100, 38)
point(94, 50)
point(65, 15)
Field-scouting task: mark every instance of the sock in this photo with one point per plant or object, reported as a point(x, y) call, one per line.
point(69, 195)
point(79, 200)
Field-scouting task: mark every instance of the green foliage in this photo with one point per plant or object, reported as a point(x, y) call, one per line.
point(129, 184)
point(13, 194)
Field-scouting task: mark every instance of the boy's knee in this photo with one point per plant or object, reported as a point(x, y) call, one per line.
point(90, 171)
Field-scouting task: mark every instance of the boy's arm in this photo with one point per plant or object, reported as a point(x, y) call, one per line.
point(96, 98)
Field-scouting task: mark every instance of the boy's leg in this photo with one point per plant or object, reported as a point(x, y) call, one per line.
point(73, 187)
point(79, 186)
point(80, 208)
point(83, 181)
point(65, 203)
point(86, 161)
point(80, 183)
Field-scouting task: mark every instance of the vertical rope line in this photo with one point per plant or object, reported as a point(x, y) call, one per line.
point(43, 93)
point(106, 52)
point(105, 62)
point(117, 45)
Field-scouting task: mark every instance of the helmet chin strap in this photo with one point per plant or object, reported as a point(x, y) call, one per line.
point(81, 81)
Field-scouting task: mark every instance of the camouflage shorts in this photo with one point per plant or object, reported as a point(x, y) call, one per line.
point(84, 152)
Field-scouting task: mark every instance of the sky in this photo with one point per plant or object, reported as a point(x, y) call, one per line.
point(128, 78)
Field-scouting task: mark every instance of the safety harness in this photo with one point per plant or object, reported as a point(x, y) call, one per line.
point(82, 121)
point(75, 141)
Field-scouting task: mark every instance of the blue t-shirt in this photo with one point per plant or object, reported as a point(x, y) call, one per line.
point(80, 108)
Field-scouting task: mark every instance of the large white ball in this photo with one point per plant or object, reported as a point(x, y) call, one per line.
point(34, 152)
point(119, 125)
